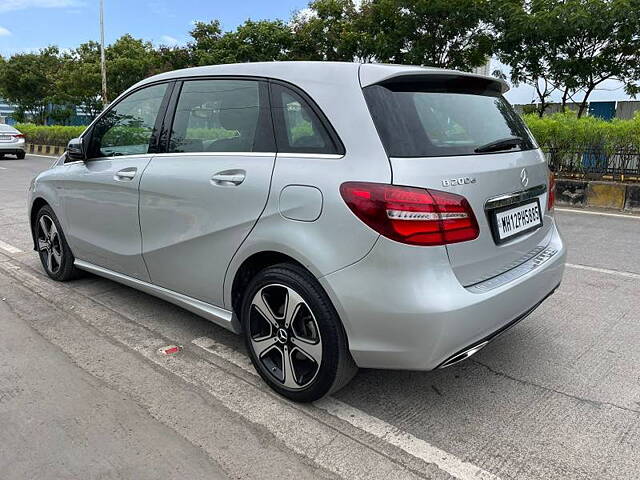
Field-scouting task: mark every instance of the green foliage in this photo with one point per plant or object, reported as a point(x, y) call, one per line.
point(440, 33)
point(565, 132)
point(569, 46)
point(260, 41)
point(53, 135)
point(27, 80)
point(328, 30)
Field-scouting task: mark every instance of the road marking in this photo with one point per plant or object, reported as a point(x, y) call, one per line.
point(604, 214)
point(38, 155)
point(374, 426)
point(619, 273)
point(9, 248)
point(3, 168)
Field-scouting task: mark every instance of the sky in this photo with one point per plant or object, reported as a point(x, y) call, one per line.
point(27, 25)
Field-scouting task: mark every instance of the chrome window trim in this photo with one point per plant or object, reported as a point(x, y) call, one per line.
point(215, 154)
point(330, 156)
point(515, 197)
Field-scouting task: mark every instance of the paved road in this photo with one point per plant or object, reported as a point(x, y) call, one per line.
point(556, 397)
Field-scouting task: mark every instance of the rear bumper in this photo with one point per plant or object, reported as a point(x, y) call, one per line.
point(13, 148)
point(403, 307)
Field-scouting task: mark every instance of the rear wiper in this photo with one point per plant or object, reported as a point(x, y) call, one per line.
point(502, 144)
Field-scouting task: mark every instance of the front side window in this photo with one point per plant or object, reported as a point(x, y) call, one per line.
point(444, 118)
point(222, 116)
point(128, 127)
point(298, 127)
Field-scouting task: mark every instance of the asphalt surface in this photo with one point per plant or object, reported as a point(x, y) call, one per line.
point(84, 394)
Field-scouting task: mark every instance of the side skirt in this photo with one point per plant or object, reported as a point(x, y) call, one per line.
point(217, 315)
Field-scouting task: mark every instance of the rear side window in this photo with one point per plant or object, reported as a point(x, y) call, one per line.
point(299, 128)
point(222, 116)
point(443, 117)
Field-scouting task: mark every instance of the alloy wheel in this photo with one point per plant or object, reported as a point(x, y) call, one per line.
point(285, 336)
point(49, 244)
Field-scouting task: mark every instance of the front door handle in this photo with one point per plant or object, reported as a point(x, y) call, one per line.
point(229, 178)
point(126, 174)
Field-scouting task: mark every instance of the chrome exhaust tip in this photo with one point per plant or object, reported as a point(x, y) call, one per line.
point(459, 357)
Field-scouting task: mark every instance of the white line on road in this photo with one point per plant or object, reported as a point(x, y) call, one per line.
point(374, 426)
point(619, 273)
point(604, 214)
point(9, 248)
point(45, 156)
point(3, 168)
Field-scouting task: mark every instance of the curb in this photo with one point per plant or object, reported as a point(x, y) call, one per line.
point(598, 194)
point(45, 149)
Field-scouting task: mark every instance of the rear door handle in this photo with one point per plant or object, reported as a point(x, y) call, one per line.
point(126, 174)
point(229, 178)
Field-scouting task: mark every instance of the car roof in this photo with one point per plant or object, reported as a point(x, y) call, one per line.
point(300, 73)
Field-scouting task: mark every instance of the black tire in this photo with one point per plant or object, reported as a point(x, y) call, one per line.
point(63, 269)
point(336, 367)
point(20, 156)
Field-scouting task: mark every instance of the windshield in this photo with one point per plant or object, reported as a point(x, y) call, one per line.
point(434, 119)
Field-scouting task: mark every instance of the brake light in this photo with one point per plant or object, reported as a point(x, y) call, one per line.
point(19, 135)
point(552, 191)
point(412, 215)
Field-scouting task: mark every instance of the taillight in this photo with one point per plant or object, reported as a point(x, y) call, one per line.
point(552, 191)
point(19, 135)
point(412, 215)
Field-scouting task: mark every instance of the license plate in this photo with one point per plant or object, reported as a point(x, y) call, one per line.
point(516, 221)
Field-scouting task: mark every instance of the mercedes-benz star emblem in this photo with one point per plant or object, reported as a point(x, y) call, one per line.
point(283, 336)
point(524, 177)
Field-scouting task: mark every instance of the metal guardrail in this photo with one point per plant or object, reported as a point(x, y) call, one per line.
point(594, 164)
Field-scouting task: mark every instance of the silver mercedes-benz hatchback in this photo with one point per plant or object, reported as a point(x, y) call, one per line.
point(337, 215)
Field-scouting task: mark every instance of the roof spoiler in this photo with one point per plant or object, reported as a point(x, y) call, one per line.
point(377, 74)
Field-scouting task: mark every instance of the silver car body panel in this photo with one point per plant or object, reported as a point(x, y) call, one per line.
point(402, 306)
point(101, 213)
point(498, 173)
point(192, 226)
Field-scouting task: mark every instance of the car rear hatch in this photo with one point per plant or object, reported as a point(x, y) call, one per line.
point(455, 132)
point(7, 134)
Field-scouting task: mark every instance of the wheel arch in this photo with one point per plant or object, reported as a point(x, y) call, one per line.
point(36, 205)
point(249, 267)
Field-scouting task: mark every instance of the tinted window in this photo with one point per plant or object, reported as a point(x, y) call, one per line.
point(420, 119)
point(298, 128)
point(128, 127)
point(222, 116)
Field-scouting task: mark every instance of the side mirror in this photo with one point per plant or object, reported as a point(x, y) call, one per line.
point(75, 149)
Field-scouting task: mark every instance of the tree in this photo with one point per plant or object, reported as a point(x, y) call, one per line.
point(327, 30)
point(260, 41)
point(527, 43)
point(28, 80)
point(79, 82)
point(172, 58)
point(439, 33)
point(129, 60)
point(570, 46)
point(601, 41)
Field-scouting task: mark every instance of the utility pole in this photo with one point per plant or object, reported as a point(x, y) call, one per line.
point(103, 63)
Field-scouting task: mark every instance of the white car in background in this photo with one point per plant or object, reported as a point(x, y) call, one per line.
point(12, 142)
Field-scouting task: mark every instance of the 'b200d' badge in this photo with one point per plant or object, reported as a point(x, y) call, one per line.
point(452, 182)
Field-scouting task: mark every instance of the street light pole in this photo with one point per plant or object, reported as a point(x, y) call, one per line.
point(103, 64)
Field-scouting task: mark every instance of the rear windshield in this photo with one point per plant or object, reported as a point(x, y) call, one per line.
point(443, 117)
